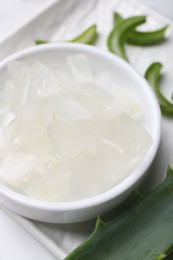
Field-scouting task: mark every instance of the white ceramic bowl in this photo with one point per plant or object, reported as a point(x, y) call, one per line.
point(123, 74)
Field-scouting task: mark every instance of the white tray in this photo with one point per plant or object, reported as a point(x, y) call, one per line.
point(61, 21)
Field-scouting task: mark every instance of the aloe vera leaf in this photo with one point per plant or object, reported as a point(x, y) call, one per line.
point(142, 38)
point(152, 75)
point(89, 36)
point(144, 231)
point(117, 37)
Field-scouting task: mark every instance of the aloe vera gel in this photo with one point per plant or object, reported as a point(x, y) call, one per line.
point(66, 134)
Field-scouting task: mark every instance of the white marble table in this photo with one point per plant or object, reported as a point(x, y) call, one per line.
point(15, 242)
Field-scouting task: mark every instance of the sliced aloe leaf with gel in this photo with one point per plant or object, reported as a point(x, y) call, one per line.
point(152, 75)
point(139, 38)
point(117, 37)
point(89, 36)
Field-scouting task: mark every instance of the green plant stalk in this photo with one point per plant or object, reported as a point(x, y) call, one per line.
point(89, 36)
point(142, 38)
point(117, 37)
point(152, 75)
point(143, 232)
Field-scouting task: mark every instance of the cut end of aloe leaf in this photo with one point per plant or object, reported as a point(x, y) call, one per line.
point(153, 72)
point(99, 223)
point(89, 36)
point(39, 41)
point(117, 18)
point(169, 169)
point(152, 75)
point(160, 257)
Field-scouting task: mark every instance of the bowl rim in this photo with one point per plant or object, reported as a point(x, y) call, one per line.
point(127, 183)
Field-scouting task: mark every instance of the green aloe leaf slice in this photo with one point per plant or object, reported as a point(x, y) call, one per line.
point(89, 36)
point(138, 38)
point(117, 37)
